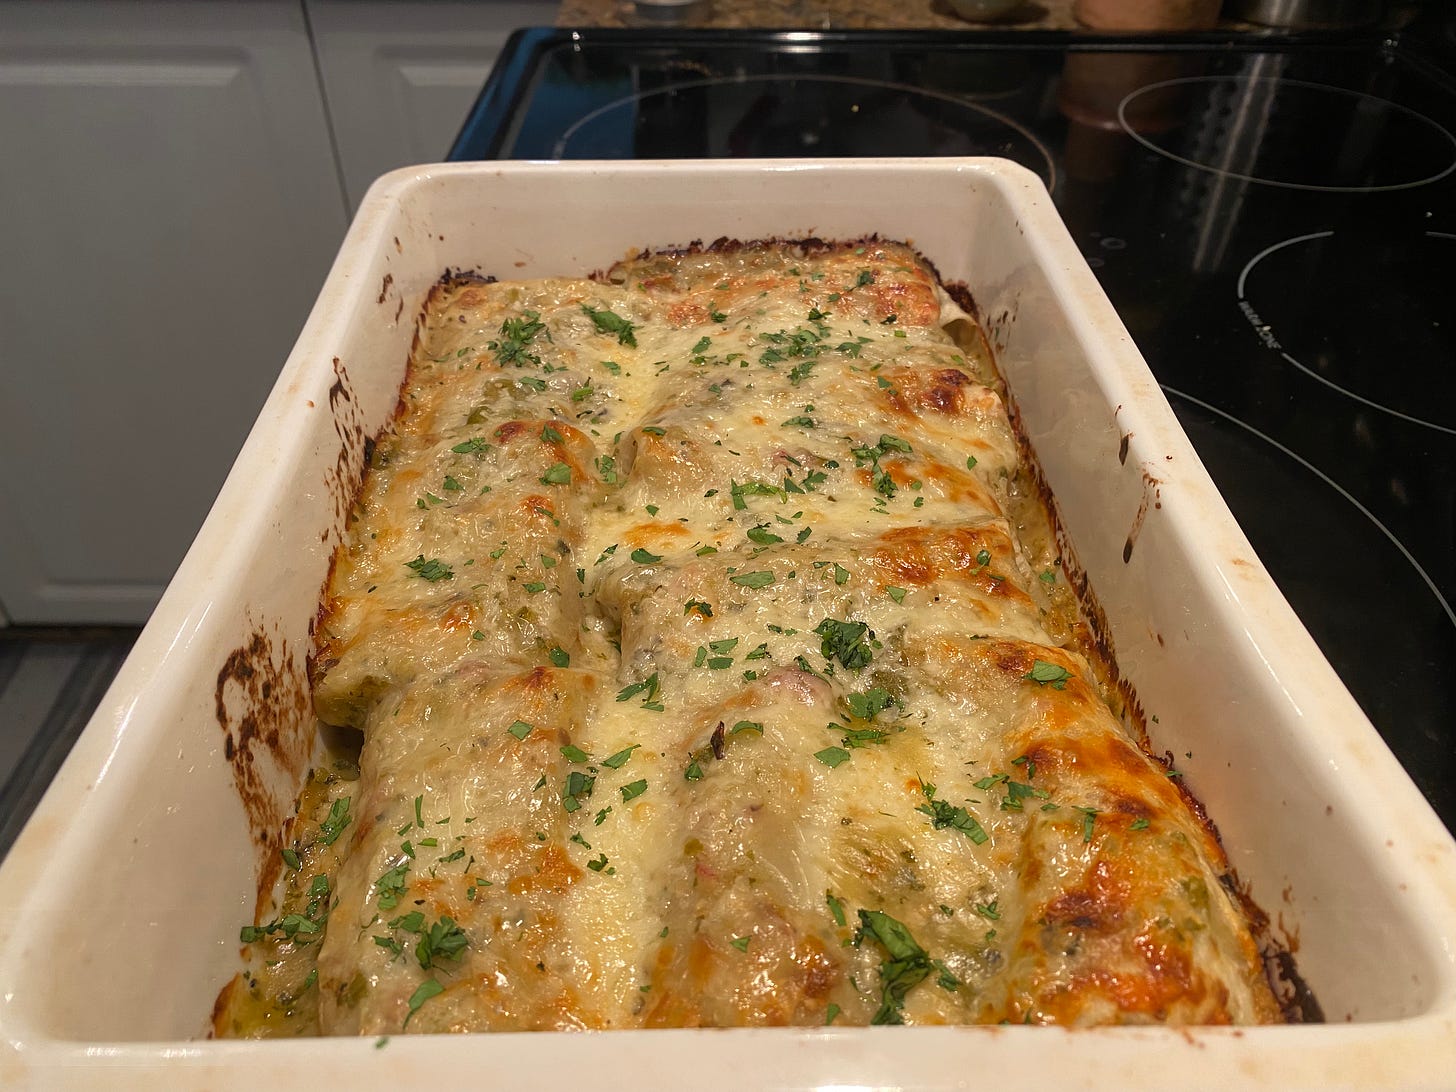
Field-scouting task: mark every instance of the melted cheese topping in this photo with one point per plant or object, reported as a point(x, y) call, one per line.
point(703, 680)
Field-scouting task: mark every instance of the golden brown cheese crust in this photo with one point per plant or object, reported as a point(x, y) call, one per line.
point(703, 680)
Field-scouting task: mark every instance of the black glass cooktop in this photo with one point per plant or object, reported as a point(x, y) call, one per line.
point(1273, 217)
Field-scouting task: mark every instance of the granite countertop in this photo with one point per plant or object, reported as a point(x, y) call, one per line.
point(817, 15)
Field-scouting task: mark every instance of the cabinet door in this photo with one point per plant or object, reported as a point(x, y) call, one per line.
point(400, 77)
point(169, 205)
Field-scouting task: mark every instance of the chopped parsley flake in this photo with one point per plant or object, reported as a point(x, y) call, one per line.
point(836, 908)
point(832, 756)
point(871, 703)
point(634, 789)
point(906, 964)
point(516, 335)
point(427, 989)
point(943, 815)
point(444, 940)
point(431, 570)
point(648, 688)
point(334, 824)
point(608, 322)
point(520, 729)
point(578, 787)
point(618, 760)
point(846, 642)
point(760, 579)
point(1043, 673)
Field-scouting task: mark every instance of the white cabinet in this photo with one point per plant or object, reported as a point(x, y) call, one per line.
point(175, 177)
point(169, 205)
point(400, 77)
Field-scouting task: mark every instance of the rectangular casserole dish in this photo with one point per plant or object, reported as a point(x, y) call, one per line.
point(120, 903)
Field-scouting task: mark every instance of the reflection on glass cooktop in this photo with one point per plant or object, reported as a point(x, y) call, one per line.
point(1275, 220)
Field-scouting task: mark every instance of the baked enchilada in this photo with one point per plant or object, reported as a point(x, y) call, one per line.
point(714, 666)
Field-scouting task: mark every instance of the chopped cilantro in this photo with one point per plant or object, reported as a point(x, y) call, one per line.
point(618, 760)
point(334, 824)
point(943, 815)
point(431, 570)
point(832, 756)
point(427, 989)
point(760, 579)
point(906, 966)
point(845, 641)
point(445, 940)
point(835, 907)
point(871, 703)
point(1043, 673)
point(578, 787)
point(607, 322)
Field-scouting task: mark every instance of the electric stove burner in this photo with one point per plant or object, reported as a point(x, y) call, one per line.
point(808, 115)
point(1367, 315)
point(1297, 135)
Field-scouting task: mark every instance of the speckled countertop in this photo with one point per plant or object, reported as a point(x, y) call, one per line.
point(816, 15)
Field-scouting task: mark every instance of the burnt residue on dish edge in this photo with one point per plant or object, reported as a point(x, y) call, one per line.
point(261, 705)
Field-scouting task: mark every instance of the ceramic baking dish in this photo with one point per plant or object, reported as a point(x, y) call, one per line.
point(120, 904)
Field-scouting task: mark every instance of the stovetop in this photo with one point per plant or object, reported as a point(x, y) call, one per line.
point(1274, 219)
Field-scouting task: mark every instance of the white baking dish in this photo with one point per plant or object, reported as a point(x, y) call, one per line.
point(121, 902)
